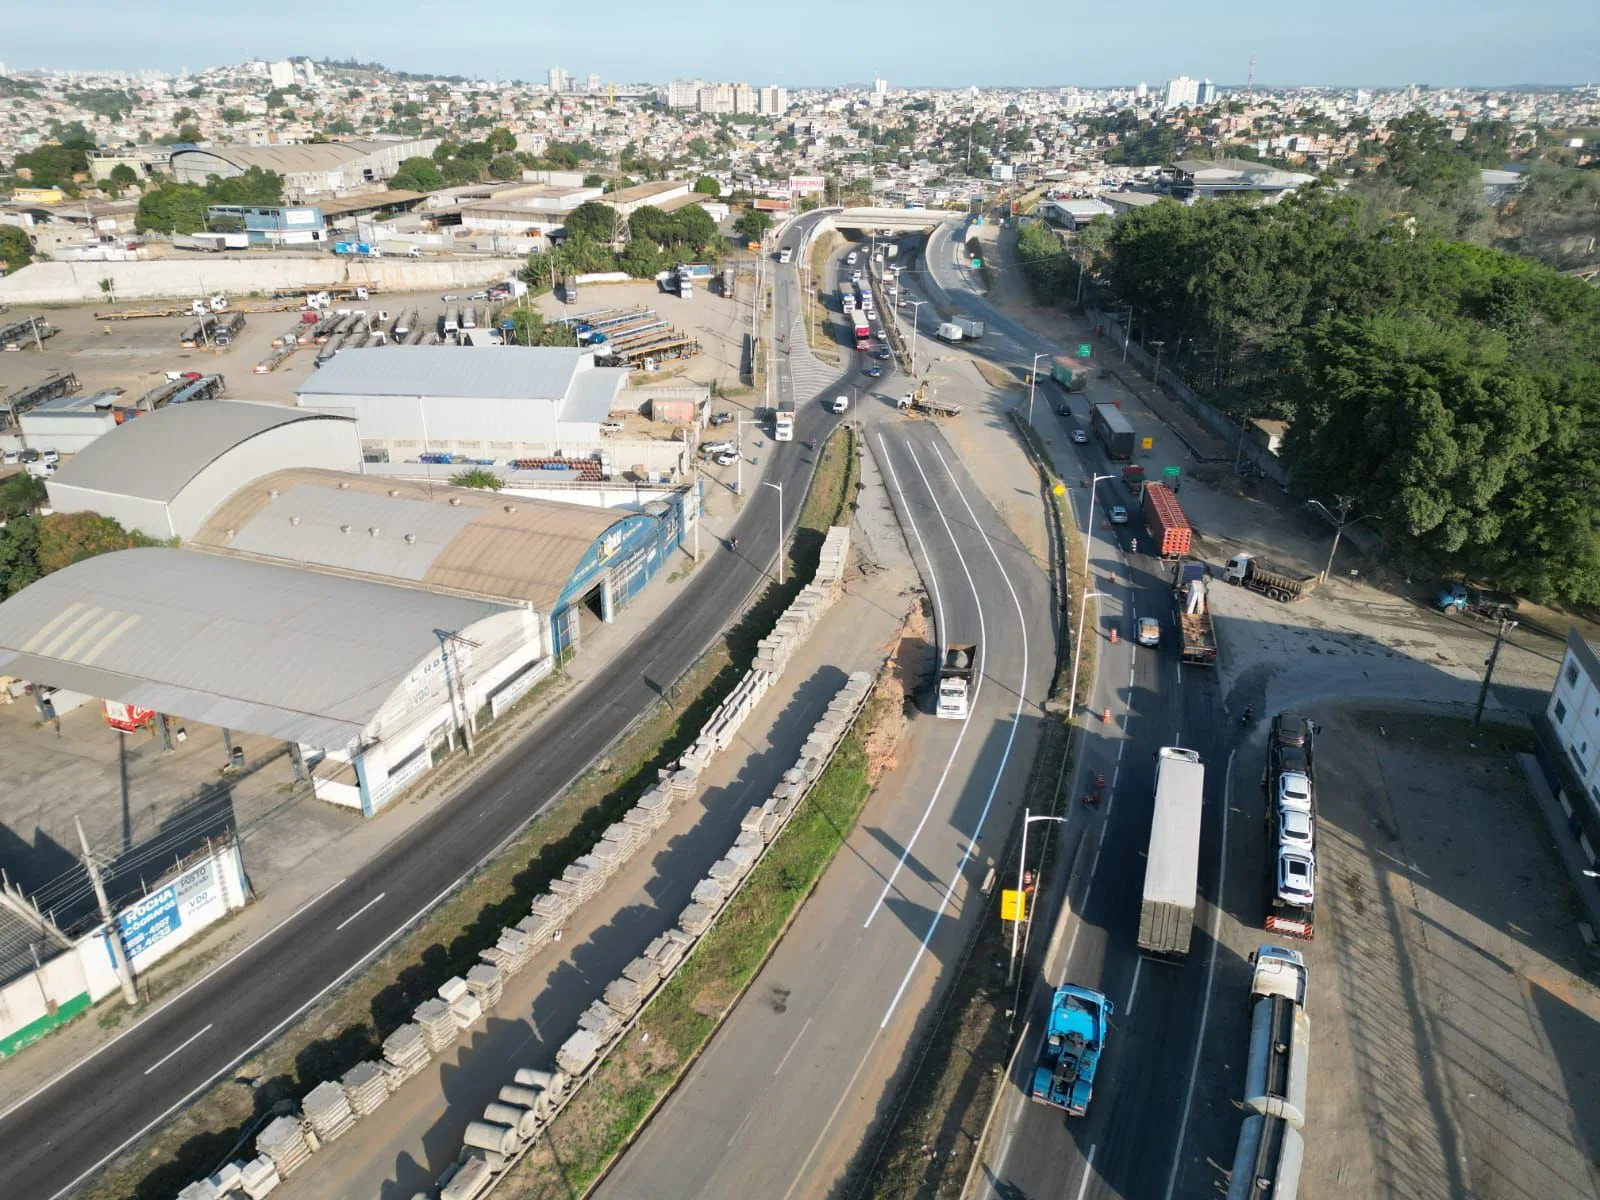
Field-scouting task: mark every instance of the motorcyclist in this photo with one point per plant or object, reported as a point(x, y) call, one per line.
point(1248, 715)
point(733, 543)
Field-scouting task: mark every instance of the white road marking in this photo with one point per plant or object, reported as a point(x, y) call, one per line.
point(977, 684)
point(1211, 970)
point(181, 1047)
point(44, 1087)
point(359, 911)
point(1133, 989)
point(1011, 734)
point(1088, 1168)
point(832, 1116)
point(792, 1045)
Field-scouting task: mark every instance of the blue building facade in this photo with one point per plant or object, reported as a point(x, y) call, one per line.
point(617, 567)
point(272, 225)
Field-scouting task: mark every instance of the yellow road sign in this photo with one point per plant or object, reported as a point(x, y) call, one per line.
point(1013, 905)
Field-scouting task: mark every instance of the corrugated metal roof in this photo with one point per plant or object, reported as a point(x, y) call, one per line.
point(590, 396)
point(488, 373)
point(475, 544)
point(290, 654)
point(308, 156)
point(154, 457)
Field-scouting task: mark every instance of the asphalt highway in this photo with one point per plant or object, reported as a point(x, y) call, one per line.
point(785, 1093)
point(58, 1137)
point(1130, 1142)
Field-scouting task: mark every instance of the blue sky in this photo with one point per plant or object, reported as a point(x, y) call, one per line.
point(930, 42)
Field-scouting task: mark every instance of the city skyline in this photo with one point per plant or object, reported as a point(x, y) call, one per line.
point(1363, 43)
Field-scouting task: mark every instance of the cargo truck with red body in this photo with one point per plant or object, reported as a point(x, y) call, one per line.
point(1166, 522)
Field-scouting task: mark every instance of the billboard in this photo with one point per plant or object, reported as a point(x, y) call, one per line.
point(799, 184)
point(172, 914)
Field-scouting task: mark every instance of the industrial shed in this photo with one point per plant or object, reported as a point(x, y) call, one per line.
point(309, 169)
point(162, 473)
point(488, 402)
point(364, 677)
point(562, 561)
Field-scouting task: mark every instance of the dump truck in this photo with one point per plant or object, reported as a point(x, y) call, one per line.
point(1069, 373)
point(957, 670)
point(1197, 635)
point(1070, 1049)
point(1165, 520)
point(1113, 430)
point(1281, 583)
point(1172, 865)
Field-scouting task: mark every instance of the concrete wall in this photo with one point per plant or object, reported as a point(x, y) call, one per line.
point(70, 283)
point(149, 517)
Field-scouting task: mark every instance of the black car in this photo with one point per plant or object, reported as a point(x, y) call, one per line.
point(1288, 758)
point(721, 418)
point(1293, 729)
point(883, 354)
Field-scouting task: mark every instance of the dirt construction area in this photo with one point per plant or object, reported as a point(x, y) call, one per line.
point(1454, 1048)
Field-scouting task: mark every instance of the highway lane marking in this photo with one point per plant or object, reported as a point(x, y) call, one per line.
point(1211, 970)
point(46, 1086)
point(790, 1050)
point(832, 1116)
point(740, 1130)
point(1133, 989)
point(181, 1047)
point(977, 686)
point(1011, 734)
point(359, 911)
point(1088, 1166)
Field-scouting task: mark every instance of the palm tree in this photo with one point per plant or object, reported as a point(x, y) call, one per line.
point(478, 477)
point(108, 287)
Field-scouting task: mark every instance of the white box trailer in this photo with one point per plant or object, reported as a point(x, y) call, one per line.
point(1172, 867)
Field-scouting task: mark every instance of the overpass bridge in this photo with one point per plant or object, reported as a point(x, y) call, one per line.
point(898, 219)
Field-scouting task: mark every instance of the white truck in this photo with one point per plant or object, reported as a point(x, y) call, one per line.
point(971, 328)
point(957, 670)
point(1271, 1144)
point(783, 421)
point(949, 331)
point(1172, 866)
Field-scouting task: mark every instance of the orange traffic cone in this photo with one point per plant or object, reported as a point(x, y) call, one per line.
point(1105, 717)
point(1113, 635)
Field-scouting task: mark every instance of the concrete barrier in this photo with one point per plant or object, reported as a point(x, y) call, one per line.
point(71, 283)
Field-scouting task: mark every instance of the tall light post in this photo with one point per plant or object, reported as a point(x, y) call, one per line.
point(1077, 654)
point(738, 483)
point(1127, 330)
point(1340, 523)
point(915, 306)
point(778, 487)
point(1022, 864)
point(1033, 378)
point(1158, 343)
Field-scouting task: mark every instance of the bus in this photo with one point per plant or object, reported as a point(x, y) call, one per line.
point(863, 330)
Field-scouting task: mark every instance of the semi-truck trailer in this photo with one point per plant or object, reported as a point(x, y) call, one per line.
point(1069, 373)
point(1271, 1146)
point(783, 421)
point(1165, 520)
point(1113, 430)
point(957, 669)
point(1281, 583)
point(1172, 866)
point(1197, 636)
point(1070, 1049)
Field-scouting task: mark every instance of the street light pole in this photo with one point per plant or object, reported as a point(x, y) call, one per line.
point(1033, 377)
point(1158, 343)
point(779, 488)
point(1127, 330)
point(1506, 626)
point(1022, 865)
point(916, 306)
point(738, 482)
point(1340, 523)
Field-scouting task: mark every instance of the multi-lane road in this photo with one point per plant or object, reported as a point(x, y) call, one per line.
point(783, 1096)
point(55, 1138)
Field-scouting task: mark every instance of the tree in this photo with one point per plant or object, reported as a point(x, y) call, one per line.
point(641, 258)
point(108, 288)
point(753, 224)
point(531, 329)
point(594, 181)
point(123, 176)
point(20, 495)
point(53, 165)
point(501, 140)
point(188, 133)
point(234, 116)
point(592, 220)
point(707, 186)
point(417, 174)
point(506, 166)
point(33, 547)
point(15, 249)
point(478, 477)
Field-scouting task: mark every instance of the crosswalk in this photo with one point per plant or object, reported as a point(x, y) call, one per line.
point(807, 375)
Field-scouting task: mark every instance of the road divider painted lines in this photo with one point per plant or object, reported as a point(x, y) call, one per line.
point(359, 911)
point(182, 1046)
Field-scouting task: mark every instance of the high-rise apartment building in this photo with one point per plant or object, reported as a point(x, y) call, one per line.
point(281, 74)
point(558, 79)
point(1206, 93)
point(1142, 92)
point(683, 93)
point(716, 98)
point(774, 101)
point(1182, 92)
point(594, 82)
point(744, 100)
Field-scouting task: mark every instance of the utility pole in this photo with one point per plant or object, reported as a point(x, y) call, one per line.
point(1506, 626)
point(119, 955)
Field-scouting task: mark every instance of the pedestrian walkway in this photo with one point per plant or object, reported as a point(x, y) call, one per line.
point(809, 375)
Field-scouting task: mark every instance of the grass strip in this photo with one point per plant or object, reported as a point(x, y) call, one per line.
point(350, 1025)
point(596, 1127)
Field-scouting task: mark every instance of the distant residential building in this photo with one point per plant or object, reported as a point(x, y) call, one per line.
point(594, 83)
point(745, 102)
point(1206, 93)
point(271, 226)
point(558, 79)
point(1142, 92)
point(716, 98)
point(645, 195)
point(1003, 172)
point(1182, 92)
point(684, 93)
point(774, 101)
point(281, 74)
point(308, 70)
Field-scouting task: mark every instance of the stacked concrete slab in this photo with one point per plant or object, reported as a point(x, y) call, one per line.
point(405, 1053)
point(284, 1141)
point(329, 1111)
point(367, 1086)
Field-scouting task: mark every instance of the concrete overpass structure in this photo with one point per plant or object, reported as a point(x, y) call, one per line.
point(898, 219)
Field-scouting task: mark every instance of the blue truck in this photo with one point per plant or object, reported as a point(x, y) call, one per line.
point(1070, 1050)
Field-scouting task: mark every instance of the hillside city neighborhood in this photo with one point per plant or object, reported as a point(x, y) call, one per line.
point(704, 638)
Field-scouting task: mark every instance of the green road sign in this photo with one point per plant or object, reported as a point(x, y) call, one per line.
point(976, 263)
point(1172, 472)
point(1085, 350)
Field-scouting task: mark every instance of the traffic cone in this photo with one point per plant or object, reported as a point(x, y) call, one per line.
point(1105, 717)
point(1113, 635)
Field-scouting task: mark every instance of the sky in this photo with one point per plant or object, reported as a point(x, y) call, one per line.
point(931, 43)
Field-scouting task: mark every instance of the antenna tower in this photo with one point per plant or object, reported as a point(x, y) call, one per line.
point(1250, 77)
